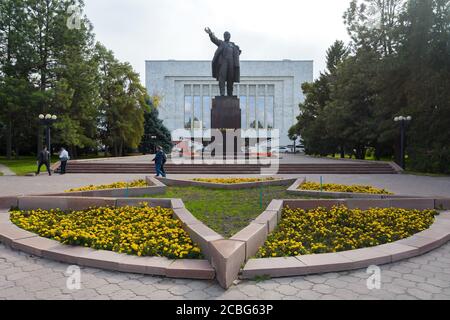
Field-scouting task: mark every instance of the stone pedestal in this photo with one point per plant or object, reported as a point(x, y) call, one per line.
point(226, 117)
point(226, 113)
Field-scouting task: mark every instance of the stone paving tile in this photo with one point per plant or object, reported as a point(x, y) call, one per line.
point(302, 284)
point(234, 294)
point(197, 295)
point(339, 284)
point(329, 297)
point(346, 294)
point(144, 290)
point(438, 282)
point(429, 288)
point(108, 289)
point(309, 295)
point(122, 295)
point(251, 290)
point(180, 290)
point(271, 295)
point(287, 290)
point(323, 289)
point(26, 277)
point(420, 294)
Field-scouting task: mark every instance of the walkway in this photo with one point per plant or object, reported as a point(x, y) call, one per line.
point(400, 184)
point(26, 277)
point(6, 171)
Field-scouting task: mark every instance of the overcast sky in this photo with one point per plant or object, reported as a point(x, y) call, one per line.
point(139, 30)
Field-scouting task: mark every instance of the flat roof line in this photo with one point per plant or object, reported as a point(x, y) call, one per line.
point(286, 60)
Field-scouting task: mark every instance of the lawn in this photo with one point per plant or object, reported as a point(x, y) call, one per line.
point(227, 211)
point(23, 165)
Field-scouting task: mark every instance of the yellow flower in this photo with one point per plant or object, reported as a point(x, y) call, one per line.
point(116, 185)
point(232, 180)
point(331, 187)
point(339, 229)
point(142, 230)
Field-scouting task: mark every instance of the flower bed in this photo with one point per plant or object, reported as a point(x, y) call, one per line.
point(233, 180)
point(339, 229)
point(141, 231)
point(115, 185)
point(330, 187)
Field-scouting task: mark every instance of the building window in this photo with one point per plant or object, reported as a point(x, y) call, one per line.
point(260, 110)
point(257, 103)
point(206, 112)
point(198, 118)
point(252, 112)
point(243, 101)
point(270, 112)
point(188, 112)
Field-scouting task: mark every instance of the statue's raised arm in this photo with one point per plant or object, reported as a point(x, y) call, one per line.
point(213, 38)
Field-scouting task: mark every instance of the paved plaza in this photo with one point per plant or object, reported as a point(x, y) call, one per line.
point(27, 277)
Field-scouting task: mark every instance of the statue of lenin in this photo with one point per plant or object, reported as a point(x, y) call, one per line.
point(225, 64)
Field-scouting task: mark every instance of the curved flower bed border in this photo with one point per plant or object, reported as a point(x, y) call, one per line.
point(226, 186)
point(31, 243)
point(419, 244)
point(154, 187)
point(295, 189)
point(226, 257)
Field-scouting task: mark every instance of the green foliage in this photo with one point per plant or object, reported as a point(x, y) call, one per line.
point(226, 211)
point(123, 103)
point(47, 67)
point(399, 64)
point(155, 133)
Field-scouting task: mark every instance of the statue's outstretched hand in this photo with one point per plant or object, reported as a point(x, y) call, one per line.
point(208, 30)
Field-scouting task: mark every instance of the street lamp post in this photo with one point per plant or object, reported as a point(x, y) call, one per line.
point(47, 121)
point(154, 146)
point(403, 122)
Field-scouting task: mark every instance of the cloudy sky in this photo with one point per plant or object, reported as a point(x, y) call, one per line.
point(139, 30)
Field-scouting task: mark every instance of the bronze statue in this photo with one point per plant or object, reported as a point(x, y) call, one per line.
point(225, 65)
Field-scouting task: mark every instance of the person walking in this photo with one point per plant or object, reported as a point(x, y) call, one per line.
point(163, 170)
point(63, 158)
point(44, 159)
point(159, 162)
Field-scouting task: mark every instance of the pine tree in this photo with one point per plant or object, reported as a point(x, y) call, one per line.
point(155, 133)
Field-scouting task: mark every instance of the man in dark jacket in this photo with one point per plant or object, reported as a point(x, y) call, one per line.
point(159, 160)
point(44, 159)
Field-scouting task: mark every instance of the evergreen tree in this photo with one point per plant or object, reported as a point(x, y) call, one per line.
point(155, 133)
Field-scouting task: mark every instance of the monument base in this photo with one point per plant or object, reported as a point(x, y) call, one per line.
point(226, 113)
point(226, 116)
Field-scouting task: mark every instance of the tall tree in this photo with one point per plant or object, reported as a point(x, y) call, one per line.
point(155, 133)
point(123, 103)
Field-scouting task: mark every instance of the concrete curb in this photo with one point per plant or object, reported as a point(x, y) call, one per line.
point(155, 187)
point(436, 236)
point(225, 258)
point(30, 243)
point(294, 189)
point(237, 186)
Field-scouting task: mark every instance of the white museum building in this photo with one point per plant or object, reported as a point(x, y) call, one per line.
point(270, 93)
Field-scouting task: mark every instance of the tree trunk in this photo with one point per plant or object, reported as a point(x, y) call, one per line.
point(9, 139)
point(121, 149)
point(116, 151)
point(17, 151)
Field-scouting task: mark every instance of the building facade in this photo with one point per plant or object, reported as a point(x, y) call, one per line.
point(269, 93)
